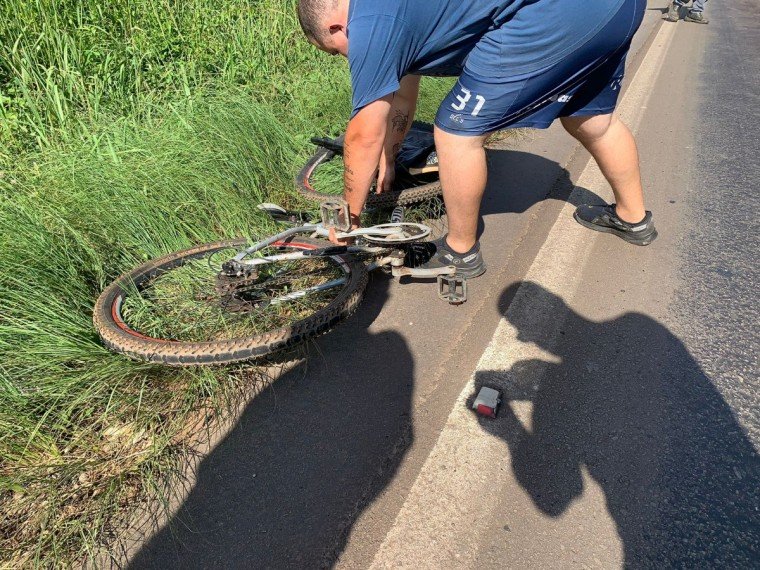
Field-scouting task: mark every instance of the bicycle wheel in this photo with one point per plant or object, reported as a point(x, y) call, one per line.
point(180, 310)
point(412, 190)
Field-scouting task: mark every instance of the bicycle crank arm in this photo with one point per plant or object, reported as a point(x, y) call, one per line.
point(422, 273)
point(382, 234)
point(361, 232)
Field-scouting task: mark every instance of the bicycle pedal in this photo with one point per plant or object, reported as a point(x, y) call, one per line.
point(452, 288)
point(335, 214)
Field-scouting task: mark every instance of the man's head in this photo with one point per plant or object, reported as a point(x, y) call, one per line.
point(324, 22)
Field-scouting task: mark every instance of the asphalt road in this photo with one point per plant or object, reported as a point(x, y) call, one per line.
point(722, 248)
point(644, 425)
point(657, 396)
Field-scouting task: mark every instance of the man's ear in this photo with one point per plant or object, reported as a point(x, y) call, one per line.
point(335, 28)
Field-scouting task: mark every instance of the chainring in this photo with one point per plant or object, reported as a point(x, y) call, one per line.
point(408, 233)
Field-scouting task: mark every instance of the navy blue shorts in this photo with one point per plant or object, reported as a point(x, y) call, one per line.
point(586, 82)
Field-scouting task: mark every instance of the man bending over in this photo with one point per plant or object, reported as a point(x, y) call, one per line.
point(520, 63)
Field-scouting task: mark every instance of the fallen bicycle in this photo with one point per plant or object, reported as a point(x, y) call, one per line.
point(226, 302)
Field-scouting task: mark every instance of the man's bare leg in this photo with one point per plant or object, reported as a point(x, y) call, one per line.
point(613, 147)
point(463, 173)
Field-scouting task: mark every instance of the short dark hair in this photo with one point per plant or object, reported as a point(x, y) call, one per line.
point(311, 14)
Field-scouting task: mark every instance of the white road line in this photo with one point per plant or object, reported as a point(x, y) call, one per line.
point(450, 503)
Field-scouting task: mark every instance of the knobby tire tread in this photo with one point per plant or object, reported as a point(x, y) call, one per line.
point(177, 353)
point(387, 199)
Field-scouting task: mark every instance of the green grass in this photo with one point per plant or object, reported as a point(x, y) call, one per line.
point(70, 222)
point(129, 129)
point(66, 63)
point(328, 178)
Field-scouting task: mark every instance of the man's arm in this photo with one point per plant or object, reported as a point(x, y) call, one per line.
point(361, 153)
point(400, 119)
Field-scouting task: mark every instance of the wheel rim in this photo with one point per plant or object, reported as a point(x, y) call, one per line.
point(170, 306)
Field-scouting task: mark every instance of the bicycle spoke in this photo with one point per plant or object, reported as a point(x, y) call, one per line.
point(193, 303)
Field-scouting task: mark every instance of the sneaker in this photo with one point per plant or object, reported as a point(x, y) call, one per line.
point(696, 17)
point(437, 255)
point(604, 219)
point(674, 12)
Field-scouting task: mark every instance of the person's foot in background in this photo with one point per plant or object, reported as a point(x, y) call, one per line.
point(696, 17)
point(674, 11)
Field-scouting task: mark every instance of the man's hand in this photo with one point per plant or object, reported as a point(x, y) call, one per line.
point(355, 225)
point(385, 176)
point(341, 241)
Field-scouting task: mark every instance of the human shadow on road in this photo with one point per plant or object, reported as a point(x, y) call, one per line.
point(518, 180)
point(285, 487)
point(629, 405)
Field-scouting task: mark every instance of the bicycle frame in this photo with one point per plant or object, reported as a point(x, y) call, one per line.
point(451, 287)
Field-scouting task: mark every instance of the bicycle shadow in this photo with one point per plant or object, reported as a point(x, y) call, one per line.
point(285, 487)
point(527, 179)
point(630, 406)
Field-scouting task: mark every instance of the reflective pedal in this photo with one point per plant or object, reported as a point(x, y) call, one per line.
point(487, 402)
point(335, 214)
point(452, 288)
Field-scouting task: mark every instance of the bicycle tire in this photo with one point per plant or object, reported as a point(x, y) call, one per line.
point(388, 199)
point(119, 337)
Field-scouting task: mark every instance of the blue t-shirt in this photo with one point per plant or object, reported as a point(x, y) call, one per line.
point(388, 39)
